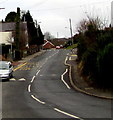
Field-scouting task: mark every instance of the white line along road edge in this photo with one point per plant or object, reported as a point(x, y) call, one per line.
point(37, 99)
point(62, 78)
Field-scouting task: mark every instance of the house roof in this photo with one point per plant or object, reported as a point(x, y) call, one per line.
point(46, 42)
point(10, 26)
point(7, 27)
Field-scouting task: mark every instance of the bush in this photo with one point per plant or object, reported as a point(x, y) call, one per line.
point(81, 47)
point(89, 62)
point(105, 66)
point(104, 39)
point(95, 52)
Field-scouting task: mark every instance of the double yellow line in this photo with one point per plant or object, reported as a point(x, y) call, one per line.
point(20, 66)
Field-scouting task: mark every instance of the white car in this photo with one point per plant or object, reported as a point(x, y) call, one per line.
point(6, 70)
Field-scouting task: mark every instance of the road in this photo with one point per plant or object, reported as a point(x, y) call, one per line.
point(40, 89)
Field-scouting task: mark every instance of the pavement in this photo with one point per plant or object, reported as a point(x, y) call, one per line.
point(81, 85)
point(77, 82)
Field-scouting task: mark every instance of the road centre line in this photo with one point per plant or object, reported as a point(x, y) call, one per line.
point(62, 78)
point(37, 72)
point(47, 59)
point(33, 79)
point(29, 88)
point(68, 114)
point(37, 99)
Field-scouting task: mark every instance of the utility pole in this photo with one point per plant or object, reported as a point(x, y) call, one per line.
point(71, 30)
point(18, 29)
point(57, 35)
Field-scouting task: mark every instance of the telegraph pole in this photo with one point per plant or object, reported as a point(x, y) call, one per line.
point(71, 30)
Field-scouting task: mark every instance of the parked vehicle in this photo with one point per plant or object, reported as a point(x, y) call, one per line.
point(6, 70)
point(57, 47)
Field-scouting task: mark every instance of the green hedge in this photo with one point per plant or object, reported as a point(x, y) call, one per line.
point(96, 55)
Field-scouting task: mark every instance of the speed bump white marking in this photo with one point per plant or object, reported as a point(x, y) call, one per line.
point(22, 79)
point(12, 79)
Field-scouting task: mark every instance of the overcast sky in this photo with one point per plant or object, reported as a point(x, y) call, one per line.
point(53, 15)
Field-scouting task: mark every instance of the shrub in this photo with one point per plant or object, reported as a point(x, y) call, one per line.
point(81, 47)
point(105, 66)
point(104, 39)
point(89, 62)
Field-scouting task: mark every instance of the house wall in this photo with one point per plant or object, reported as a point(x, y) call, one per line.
point(5, 38)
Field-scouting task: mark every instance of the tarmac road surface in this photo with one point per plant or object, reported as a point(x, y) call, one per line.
point(40, 89)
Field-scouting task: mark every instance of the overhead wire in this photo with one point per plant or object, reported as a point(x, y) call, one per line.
point(3, 1)
point(69, 7)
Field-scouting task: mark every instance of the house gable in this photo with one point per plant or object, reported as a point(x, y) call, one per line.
point(48, 45)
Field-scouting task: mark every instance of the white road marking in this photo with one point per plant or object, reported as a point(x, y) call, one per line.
point(73, 116)
point(62, 78)
point(37, 73)
point(53, 75)
point(29, 88)
point(37, 99)
point(41, 75)
point(69, 58)
point(47, 59)
point(12, 79)
point(22, 79)
point(33, 79)
point(56, 109)
point(66, 59)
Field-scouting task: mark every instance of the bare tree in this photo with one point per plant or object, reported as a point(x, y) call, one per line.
point(97, 24)
point(48, 36)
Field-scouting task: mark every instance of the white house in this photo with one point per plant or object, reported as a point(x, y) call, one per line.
point(6, 38)
point(7, 35)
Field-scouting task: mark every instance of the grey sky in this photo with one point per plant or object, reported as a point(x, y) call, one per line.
point(54, 14)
